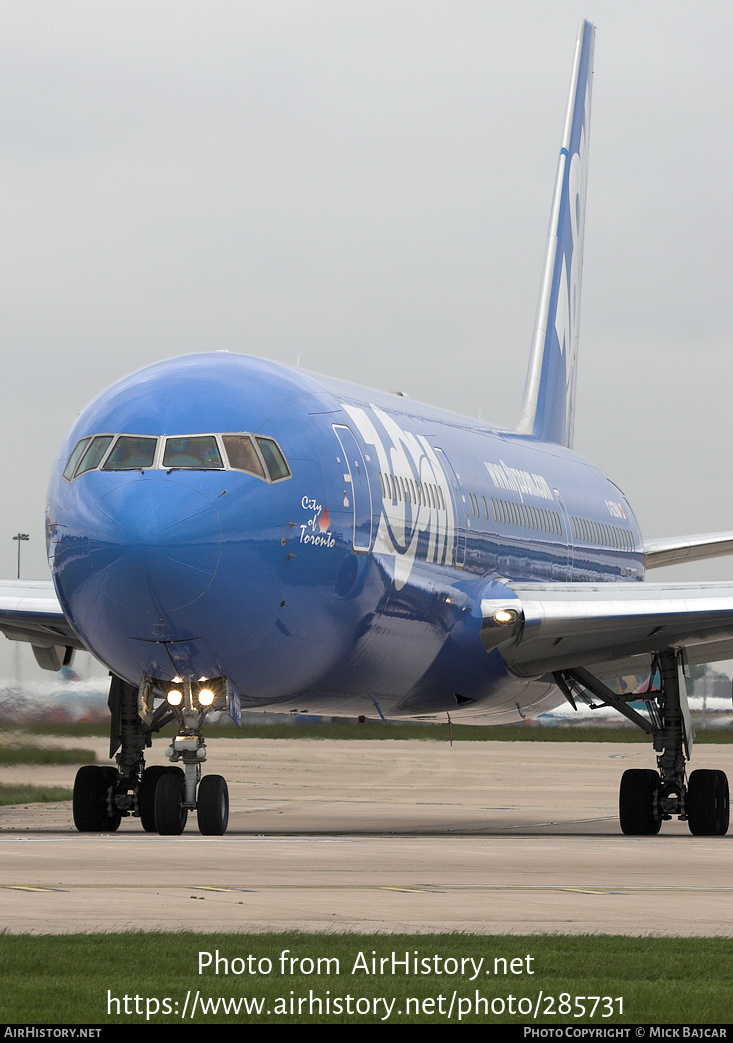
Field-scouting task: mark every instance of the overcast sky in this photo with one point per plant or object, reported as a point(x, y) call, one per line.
point(367, 184)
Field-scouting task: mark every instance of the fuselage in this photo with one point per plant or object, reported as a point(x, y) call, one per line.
point(342, 570)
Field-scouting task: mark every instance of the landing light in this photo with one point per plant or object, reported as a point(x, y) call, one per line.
point(206, 697)
point(174, 697)
point(505, 616)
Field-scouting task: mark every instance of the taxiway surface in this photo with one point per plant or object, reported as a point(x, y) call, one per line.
point(487, 837)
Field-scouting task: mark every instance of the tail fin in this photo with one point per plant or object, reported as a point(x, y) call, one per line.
point(549, 394)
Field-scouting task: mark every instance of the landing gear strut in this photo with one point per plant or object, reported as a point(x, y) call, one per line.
point(646, 797)
point(162, 795)
point(104, 795)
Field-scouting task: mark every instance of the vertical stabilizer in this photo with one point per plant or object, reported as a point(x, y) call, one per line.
point(549, 394)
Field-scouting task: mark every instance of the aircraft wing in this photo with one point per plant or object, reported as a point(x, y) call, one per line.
point(677, 549)
point(544, 627)
point(30, 611)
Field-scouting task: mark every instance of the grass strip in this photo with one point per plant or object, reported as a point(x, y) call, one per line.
point(25, 754)
point(12, 793)
point(400, 730)
point(138, 977)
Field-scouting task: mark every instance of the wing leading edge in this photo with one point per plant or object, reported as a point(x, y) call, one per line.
point(30, 611)
point(675, 550)
point(545, 627)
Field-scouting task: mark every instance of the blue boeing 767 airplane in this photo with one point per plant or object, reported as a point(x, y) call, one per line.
point(225, 532)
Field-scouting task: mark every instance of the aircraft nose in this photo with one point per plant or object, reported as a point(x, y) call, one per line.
point(154, 539)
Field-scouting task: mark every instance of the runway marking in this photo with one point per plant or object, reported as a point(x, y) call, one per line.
point(427, 889)
point(26, 887)
point(411, 890)
point(599, 888)
point(130, 838)
point(555, 822)
point(226, 890)
point(583, 890)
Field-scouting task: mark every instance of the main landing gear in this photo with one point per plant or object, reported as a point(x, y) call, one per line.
point(161, 795)
point(647, 797)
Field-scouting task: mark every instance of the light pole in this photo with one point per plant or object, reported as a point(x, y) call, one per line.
point(20, 538)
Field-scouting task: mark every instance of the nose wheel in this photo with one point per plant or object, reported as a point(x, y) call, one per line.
point(170, 810)
point(146, 794)
point(212, 806)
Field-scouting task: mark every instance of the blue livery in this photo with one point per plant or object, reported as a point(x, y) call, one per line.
point(227, 534)
point(362, 570)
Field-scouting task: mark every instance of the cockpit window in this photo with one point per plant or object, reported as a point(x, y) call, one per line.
point(257, 455)
point(130, 453)
point(95, 451)
point(274, 459)
point(199, 451)
point(74, 458)
point(243, 455)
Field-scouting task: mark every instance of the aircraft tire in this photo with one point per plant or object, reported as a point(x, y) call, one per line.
point(637, 804)
point(146, 792)
point(212, 806)
point(708, 803)
point(170, 814)
point(91, 790)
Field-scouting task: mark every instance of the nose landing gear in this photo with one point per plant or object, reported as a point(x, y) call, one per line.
point(212, 808)
point(176, 794)
point(162, 795)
